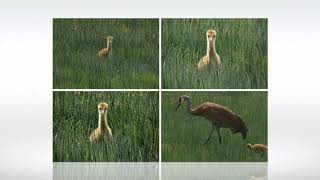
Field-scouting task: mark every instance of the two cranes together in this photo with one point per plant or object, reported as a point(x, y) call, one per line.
point(220, 117)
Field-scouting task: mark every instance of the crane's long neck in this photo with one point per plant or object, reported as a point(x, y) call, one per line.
point(103, 123)
point(189, 106)
point(211, 48)
point(109, 46)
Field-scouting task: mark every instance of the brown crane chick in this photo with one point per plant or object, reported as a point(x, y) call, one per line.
point(212, 54)
point(106, 52)
point(257, 147)
point(218, 115)
point(103, 132)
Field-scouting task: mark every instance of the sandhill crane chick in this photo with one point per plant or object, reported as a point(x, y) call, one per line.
point(105, 52)
point(218, 115)
point(257, 147)
point(103, 132)
point(212, 54)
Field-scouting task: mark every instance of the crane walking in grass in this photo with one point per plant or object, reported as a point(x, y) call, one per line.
point(212, 54)
point(257, 147)
point(218, 115)
point(106, 52)
point(103, 132)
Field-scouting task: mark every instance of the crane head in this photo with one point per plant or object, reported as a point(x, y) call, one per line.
point(103, 107)
point(182, 99)
point(241, 127)
point(211, 35)
point(249, 146)
point(109, 39)
point(243, 132)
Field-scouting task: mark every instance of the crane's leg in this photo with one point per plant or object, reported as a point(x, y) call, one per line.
point(218, 130)
point(209, 135)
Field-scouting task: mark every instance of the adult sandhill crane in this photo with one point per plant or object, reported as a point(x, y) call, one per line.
point(212, 54)
point(218, 115)
point(257, 147)
point(105, 52)
point(103, 132)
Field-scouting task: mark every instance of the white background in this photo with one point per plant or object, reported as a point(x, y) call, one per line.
point(26, 76)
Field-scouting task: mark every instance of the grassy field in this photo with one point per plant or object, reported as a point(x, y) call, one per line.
point(241, 44)
point(135, 56)
point(133, 117)
point(183, 134)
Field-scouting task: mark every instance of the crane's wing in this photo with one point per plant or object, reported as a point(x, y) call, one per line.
point(218, 113)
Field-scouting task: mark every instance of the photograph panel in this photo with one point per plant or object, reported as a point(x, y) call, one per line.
point(105, 126)
point(214, 53)
point(105, 53)
point(214, 126)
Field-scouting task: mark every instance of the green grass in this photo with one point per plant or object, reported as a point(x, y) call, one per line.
point(133, 117)
point(135, 56)
point(241, 43)
point(183, 134)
